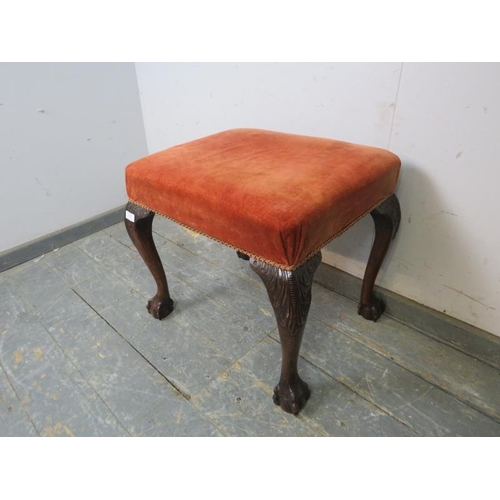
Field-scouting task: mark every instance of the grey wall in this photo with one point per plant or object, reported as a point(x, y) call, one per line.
point(66, 133)
point(443, 120)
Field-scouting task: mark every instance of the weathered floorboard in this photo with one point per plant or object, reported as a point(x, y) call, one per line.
point(79, 354)
point(56, 396)
point(142, 400)
point(183, 358)
point(243, 394)
point(14, 421)
point(468, 379)
point(423, 407)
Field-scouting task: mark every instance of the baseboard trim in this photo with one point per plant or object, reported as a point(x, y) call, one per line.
point(473, 341)
point(40, 246)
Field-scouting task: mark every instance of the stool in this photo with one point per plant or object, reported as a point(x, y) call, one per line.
point(277, 199)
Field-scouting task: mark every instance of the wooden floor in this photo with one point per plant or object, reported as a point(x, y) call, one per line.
point(80, 356)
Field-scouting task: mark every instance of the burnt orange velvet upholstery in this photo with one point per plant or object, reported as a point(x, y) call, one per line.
point(277, 197)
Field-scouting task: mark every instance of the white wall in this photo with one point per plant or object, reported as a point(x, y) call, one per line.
point(66, 133)
point(353, 102)
point(442, 119)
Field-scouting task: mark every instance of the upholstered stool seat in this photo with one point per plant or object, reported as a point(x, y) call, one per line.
point(278, 199)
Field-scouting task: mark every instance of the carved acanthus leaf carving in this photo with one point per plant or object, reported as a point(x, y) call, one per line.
point(289, 291)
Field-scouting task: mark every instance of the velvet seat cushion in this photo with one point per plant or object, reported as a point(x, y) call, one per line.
point(274, 196)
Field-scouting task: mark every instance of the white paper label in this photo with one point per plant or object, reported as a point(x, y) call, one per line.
point(130, 216)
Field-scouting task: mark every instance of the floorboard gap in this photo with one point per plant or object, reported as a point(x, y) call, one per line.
point(85, 378)
point(354, 391)
point(392, 359)
point(184, 394)
point(442, 341)
point(19, 399)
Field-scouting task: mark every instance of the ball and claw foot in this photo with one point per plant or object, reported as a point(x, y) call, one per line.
point(291, 399)
point(373, 311)
point(160, 308)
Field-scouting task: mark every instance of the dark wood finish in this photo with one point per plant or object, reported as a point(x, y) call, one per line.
point(141, 234)
point(290, 296)
point(386, 217)
point(242, 255)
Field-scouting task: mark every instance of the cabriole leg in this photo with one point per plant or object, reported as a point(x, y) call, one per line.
point(290, 296)
point(138, 222)
point(386, 217)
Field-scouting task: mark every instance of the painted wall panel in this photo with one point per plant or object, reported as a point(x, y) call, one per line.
point(66, 133)
point(352, 102)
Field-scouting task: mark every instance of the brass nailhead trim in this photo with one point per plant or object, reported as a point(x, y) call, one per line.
point(280, 266)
